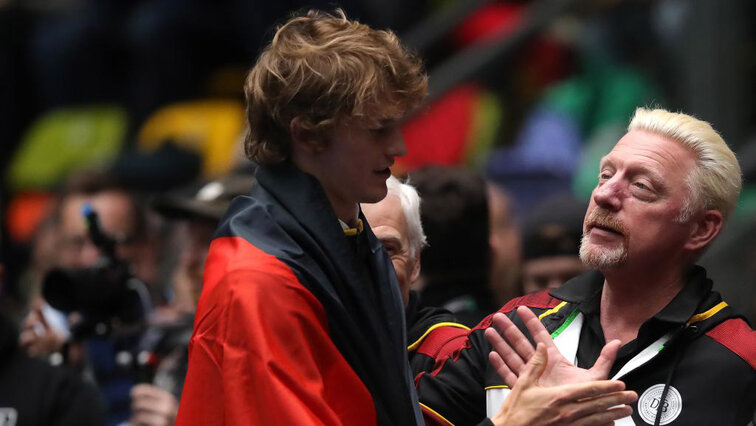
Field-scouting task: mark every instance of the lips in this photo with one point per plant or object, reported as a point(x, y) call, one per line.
point(604, 227)
point(386, 171)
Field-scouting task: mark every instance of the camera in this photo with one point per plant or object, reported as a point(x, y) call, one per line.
point(107, 296)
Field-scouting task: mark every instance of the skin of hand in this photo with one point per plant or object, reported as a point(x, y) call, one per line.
point(152, 406)
point(581, 404)
point(37, 338)
point(513, 350)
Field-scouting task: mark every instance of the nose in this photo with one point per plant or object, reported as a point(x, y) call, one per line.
point(608, 194)
point(396, 146)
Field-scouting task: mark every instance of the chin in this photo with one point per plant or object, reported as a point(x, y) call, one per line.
point(601, 258)
point(375, 196)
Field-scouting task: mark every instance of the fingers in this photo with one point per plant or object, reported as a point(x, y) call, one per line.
point(152, 405)
point(512, 333)
point(578, 391)
point(603, 365)
point(149, 419)
point(606, 417)
point(147, 391)
point(515, 349)
point(502, 370)
point(605, 402)
point(534, 326)
point(41, 316)
point(510, 357)
point(535, 367)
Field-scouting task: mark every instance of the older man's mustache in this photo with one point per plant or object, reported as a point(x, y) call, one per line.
point(604, 219)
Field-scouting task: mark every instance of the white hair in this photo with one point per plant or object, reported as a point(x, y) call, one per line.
point(410, 202)
point(716, 182)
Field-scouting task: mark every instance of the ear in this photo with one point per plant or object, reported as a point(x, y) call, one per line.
point(415, 269)
point(304, 140)
point(704, 229)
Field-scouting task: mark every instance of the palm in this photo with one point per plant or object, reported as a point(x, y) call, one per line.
point(513, 350)
point(560, 371)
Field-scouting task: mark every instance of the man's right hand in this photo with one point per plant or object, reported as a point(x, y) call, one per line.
point(582, 404)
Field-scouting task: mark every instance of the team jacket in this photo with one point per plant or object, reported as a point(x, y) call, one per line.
point(702, 359)
point(430, 331)
point(289, 330)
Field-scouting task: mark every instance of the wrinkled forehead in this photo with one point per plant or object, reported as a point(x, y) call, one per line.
point(652, 153)
point(387, 212)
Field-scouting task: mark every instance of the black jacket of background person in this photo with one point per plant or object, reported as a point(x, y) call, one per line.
point(35, 393)
point(294, 326)
point(707, 363)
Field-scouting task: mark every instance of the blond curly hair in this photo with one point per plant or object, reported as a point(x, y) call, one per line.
point(325, 69)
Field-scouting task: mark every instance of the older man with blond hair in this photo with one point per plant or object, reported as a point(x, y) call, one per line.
point(645, 314)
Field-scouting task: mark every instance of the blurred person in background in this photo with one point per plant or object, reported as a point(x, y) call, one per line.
point(195, 212)
point(456, 263)
point(34, 393)
point(505, 240)
point(122, 215)
point(395, 221)
point(98, 294)
point(551, 244)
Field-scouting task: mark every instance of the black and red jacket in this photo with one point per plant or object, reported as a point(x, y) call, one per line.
point(293, 328)
point(695, 352)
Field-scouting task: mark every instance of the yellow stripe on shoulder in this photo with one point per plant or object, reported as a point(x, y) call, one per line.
point(417, 342)
point(706, 315)
point(436, 413)
point(553, 310)
point(497, 387)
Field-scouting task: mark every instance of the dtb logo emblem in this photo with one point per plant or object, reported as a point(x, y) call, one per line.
point(650, 403)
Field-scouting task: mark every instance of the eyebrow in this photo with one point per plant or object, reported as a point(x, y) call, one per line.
point(635, 169)
point(391, 239)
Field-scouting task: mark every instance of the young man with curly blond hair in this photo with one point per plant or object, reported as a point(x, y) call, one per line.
point(301, 319)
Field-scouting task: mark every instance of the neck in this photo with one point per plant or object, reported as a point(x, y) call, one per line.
point(347, 211)
point(630, 299)
point(347, 214)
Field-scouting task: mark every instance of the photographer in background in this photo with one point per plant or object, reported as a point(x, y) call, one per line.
point(122, 216)
point(196, 211)
point(102, 300)
point(33, 393)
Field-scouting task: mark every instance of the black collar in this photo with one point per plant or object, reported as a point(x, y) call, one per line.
point(302, 195)
point(585, 291)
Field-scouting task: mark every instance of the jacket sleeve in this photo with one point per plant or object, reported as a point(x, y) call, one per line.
point(454, 393)
point(261, 354)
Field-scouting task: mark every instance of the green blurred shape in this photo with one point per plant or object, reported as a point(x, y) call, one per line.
point(64, 140)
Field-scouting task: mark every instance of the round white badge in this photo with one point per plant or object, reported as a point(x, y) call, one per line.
point(650, 402)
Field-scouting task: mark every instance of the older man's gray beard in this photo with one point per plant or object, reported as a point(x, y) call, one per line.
point(602, 258)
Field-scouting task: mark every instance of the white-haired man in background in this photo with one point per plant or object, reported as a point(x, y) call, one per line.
point(662, 197)
point(396, 222)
